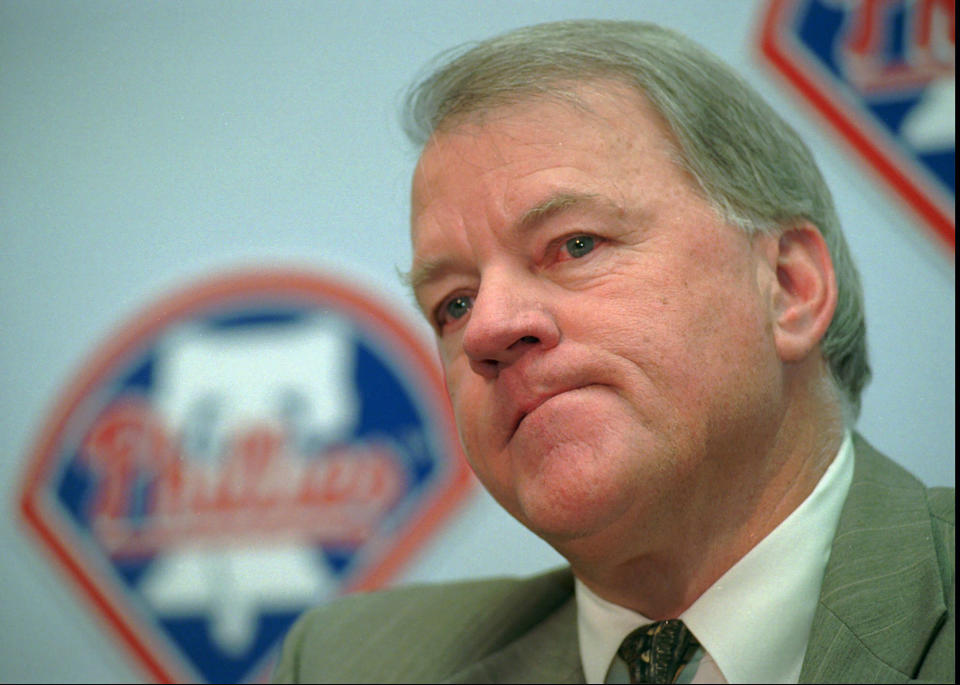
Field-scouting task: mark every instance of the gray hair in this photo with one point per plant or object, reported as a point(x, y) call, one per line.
point(749, 163)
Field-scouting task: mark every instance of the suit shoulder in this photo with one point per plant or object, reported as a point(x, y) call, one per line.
point(418, 633)
point(456, 601)
point(942, 503)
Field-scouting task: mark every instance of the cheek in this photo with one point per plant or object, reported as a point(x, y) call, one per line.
point(682, 332)
point(455, 374)
point(464, 388)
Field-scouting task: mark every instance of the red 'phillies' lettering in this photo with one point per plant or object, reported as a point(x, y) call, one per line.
point(128, 443)
point(928, 36)
point(257, 488)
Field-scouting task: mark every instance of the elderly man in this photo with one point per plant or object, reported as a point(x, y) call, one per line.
point(653, 340)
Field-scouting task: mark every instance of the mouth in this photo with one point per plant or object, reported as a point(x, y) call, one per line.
point(531, 406)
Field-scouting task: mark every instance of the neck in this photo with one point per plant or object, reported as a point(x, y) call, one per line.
point(660, 569)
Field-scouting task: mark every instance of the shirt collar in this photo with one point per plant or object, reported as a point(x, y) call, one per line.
point(755, 620)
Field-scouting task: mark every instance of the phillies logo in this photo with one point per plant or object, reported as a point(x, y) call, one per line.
point(882, 74)
point(246, 449)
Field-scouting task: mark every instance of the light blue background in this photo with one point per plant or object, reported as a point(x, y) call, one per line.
point(146, 144)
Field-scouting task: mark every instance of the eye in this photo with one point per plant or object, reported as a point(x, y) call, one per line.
point(453, 308)
point(580, 245)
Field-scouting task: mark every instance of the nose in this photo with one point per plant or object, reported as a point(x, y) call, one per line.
point(507, 321)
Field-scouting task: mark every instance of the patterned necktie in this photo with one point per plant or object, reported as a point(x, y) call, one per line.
point(656, 653)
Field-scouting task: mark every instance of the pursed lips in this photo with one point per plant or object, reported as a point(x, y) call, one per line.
point(530, 405)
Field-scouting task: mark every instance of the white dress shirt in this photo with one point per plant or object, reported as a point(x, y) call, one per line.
point(754, 622)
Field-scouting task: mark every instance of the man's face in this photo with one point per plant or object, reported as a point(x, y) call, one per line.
point(605, 336)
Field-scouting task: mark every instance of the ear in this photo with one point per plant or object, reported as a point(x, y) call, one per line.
point(805, 296)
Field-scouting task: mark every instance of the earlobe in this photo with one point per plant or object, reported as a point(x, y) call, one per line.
point(806, 292)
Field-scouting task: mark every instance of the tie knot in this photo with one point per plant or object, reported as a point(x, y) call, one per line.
point(657, 652)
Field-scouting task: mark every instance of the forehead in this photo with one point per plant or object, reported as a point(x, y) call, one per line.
point(603, 131)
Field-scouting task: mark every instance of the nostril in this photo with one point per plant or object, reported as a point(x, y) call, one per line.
point(488, 368)
point(524, 341)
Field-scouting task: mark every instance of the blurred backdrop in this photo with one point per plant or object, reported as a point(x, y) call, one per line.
point(196, 196)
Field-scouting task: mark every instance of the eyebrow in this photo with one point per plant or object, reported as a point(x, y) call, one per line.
point(433, 269)
point(554, 205)
point(424, 272)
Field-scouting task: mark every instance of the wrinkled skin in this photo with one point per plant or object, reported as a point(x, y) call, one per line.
point(608, 340)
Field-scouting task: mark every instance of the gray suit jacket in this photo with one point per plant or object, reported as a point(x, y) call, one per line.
point(885, 614)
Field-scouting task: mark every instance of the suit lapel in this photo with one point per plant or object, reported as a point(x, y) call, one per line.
point(548, 653)
point(882, 596)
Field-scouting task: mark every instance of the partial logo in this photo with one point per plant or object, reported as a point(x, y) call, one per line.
point(882, 74)
point(246, 449)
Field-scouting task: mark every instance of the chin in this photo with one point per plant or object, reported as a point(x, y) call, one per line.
point(574, 468)
point(571, 495)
